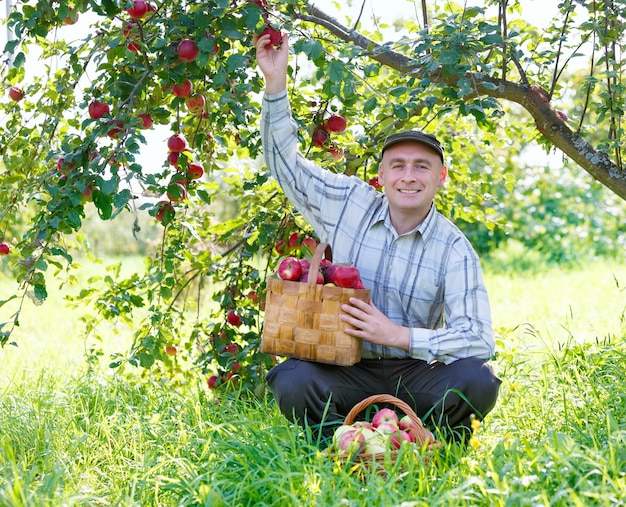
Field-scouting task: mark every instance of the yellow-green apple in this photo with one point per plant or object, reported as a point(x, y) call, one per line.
point(377, 444)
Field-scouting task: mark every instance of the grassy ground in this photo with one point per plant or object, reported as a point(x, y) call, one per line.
point(557, 436)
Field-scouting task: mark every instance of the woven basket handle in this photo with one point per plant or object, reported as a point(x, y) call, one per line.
point(322, 250)
point(422, 434)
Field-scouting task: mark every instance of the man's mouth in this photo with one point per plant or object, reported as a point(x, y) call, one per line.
point(408, 191)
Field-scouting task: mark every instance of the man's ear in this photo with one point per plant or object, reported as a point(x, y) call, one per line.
point(443, 176)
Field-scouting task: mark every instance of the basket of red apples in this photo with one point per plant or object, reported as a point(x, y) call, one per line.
point(303, 306)
point(373, 443)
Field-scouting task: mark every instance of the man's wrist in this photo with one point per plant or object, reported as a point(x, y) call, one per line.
point(275, 86)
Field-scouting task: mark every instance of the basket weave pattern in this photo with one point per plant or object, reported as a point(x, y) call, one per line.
point(302, 318)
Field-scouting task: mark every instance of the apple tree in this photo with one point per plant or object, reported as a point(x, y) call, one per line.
point(178, 80)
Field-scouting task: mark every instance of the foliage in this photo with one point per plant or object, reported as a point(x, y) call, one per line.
point(217, 243)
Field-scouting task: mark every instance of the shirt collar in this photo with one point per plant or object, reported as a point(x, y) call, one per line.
point(425, 229)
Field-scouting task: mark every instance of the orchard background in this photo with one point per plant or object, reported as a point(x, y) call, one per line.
point(96, 90)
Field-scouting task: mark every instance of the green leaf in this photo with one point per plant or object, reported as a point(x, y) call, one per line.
point(370, 105)
point(236, 61)
point(103, 204)
point(204, 196)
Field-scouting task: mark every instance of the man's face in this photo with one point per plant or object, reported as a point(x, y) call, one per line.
point(411, 173)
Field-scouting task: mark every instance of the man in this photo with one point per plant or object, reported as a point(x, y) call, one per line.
point(427, 332)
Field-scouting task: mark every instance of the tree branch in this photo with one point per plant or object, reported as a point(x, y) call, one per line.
point(532, 98)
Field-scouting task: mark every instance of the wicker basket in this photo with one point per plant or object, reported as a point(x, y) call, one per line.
point(424, 437)
point(302, 318)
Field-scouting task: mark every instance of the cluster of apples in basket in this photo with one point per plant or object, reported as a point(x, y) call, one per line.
point(385, 431)
point(339, 275)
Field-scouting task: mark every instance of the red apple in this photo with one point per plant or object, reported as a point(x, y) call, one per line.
point(98, 109)
point(170, 350)
point(306, 264)
point(87, 194)
point(63, 166)
point(195, 103)
point(184, 89)
point(177, 143)
point(305, 277)
point(187, 50)
point(213, 381)
point(399, 437)
point(335, 151)
point(375, 183)
point(231, 348)
point(16, 93)
point(172, 158)
point(165, 212)
point(310, 243)
point(4, 249)
point(289, 269)
point(261, 3)
point(146, 120)
point(129, 29)
point(195, 171)
point(336, 123)
point(320, 136)
point(233, 319)
point(346, 276)
point(329, 273)
point(280, 247)
point(385, 416)
point(275, 36)
point(176, 192)
point(115, 128)
point(352, 442)
point(133, 47)
point(253, 296)
point(235, 367)
point(295, 240)
point(138, 10)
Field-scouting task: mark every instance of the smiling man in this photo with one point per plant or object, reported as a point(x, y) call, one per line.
point(427, 332)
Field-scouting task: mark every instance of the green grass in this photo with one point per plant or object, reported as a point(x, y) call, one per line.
point(70, 437)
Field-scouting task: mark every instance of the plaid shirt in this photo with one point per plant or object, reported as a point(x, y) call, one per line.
point(428, 280)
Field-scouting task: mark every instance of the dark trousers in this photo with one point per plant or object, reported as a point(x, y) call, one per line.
point(445, 397)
